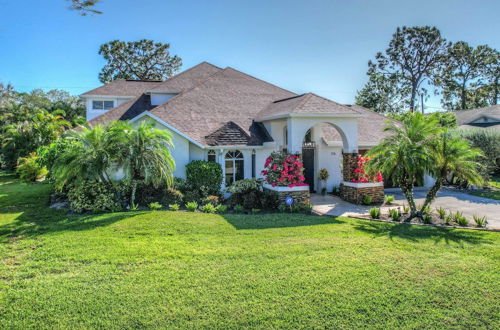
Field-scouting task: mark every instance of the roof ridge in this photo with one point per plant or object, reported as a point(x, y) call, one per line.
point(342, 105)
point(258, 79)
point(307, 97)
point(187, 70)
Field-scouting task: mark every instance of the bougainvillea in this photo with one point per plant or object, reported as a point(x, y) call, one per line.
point(284, 169)
point(361, 176)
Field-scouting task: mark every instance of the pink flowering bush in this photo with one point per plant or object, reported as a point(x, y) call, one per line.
point(284, 170)
point(361, 176)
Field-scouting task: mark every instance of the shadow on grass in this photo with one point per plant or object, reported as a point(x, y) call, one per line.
point(266, 221)
point(417, 233)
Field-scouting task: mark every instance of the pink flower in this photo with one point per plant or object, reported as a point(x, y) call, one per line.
point(302, 178)
point(273, 184)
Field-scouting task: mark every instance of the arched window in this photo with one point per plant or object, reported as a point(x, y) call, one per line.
point(233, 166)
point(211, 156)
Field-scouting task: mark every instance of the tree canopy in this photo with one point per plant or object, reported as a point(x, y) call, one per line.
point(137, 60)
point(84, 7)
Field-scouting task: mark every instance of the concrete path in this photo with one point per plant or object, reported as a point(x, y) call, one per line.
point(449, 199)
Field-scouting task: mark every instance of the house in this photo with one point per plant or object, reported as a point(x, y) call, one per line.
point(487, 118)
point(227, 116)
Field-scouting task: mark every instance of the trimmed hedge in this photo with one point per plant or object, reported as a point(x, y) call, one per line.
point(205, 177)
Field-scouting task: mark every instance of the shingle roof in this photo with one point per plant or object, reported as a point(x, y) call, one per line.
point(370, 127)
point(226, 96)
point(309, 103)
point(125, 111)
point(122, 87)
point(187, 79)
point(466, 116)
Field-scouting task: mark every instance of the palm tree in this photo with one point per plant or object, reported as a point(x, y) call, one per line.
point(88, 159)
point(452, 155)
point(404, 155)
point(143, 153)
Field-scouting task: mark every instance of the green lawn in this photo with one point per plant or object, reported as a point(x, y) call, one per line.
point(185, 270)
point(493, 194)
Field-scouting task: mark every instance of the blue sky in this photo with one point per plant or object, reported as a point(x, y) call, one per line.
point(318, 46)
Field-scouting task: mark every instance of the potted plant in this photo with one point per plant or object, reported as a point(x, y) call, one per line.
point(323, 176)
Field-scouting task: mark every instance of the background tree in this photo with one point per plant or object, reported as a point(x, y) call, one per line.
point(411, 58)
point(84, 7)
point(459, 76)
point(381, 94)
point(491, 74)
point(139, 60)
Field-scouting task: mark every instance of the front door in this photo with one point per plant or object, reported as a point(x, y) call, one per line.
point(308, 160)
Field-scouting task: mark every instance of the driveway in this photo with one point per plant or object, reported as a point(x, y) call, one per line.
point(449, 199)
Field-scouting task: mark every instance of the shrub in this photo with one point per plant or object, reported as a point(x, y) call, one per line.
point(205, 176)
point(193, 196)
point(134, 207)
point(307, 208)
point(427, 218)
point(147, 193)
point(155, 206)
point(29, 170)
point(172, 196)
point(389, 199)
point(181, 185)
point(174, 207)
point(269, 200)
point(93, 196)
point(448, 219)
point(191, 206)
point(284, 169)
point(441, 212)
point(282, 208)
point(427, 209)
point(296, 208)
point(255, 211)
point(480, 221)
point(394, 214)
point(375, 213)
point(367, 200)
point(221, 208)
point(238, 208)
point(459, 218)
point(247, 192)
point(49, 154)
point(406, 209)
point(208, 208)
point(214, 200)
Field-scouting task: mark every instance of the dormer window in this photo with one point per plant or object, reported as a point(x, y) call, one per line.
point(102, 105)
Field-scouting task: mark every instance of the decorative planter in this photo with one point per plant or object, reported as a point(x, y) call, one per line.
point(354, 192)
point(300, 194)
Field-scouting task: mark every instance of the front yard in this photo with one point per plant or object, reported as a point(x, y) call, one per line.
point(166, 269)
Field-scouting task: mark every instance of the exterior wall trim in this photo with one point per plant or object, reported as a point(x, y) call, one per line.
point(285, 189)
point(362, 184)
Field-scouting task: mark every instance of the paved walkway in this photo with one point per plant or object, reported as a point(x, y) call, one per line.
point(447, 198)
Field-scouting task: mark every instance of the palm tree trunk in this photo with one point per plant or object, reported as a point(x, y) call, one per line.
point(431, 194)
point(132, 195)
point(407, 189)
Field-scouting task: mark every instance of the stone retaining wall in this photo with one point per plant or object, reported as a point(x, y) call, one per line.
point(300, 195)
point(355, 194)
point(349, 164)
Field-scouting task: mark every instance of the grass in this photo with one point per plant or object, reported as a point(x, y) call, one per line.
point(193, 270)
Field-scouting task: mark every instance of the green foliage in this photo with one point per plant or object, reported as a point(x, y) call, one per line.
point(427, 219)
point(394, 214)
point(382, 94)
point(367, 200)
point(480, 221)
point(448, 219)
point(134, 207)
point(137, 60)
point(93, 196)
point(191, 206)
point(388, 199)
point(323, 174)
point(459, 218)
point(462, 76)
point(214, 200)
point(155, 206)
point(221, 208)
point(84, 7)
point(174, 207)
point(250, 194)
point(442, 213)
point(49, 154)
point(375, 213)
point(255, 211)
point(29, 170)
point(411, 58)
point(238, 208)
point(405, 154)
point(208, 208)
point(488, 141)
point(204, 176)
point(406, 209)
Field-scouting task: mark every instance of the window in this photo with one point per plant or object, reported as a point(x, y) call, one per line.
point(211, 157)
point(233, 167)
point(102, 105)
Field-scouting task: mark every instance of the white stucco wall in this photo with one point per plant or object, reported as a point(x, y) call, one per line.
point(159, 98)
point(91, 113)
